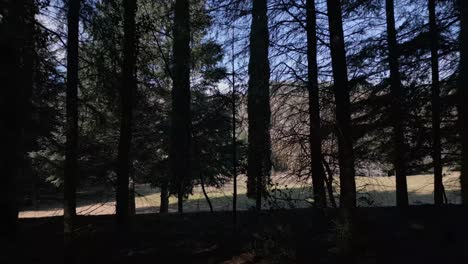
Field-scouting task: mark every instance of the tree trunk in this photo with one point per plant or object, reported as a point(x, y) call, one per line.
point(131, 197)
point(329, 183)
point(126, 97)
point(399, 152)
point(34, 189)
point(180, 153)
point(436, 145)
point(164, 206)
point(29, 66)
point(29, 73)
point(71, 148)
point(463, 98)
point(207, 198)
point(342, 101)
point(16, 73)
point(234, 137)
point(258, 105)
point(315, 141)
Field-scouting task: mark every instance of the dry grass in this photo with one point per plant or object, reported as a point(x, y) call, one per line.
point(372, 191)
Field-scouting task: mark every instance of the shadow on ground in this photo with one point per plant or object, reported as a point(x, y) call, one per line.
point(419, 234)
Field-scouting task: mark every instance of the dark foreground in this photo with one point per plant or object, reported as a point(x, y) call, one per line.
point(420, 234)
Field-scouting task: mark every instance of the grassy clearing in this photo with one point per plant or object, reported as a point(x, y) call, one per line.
point(372, 191)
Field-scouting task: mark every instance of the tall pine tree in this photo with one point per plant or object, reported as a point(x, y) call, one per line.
point(16, 72)
point(399, 152)
point(127, 94)
point(463, 98)
point(258, 104)
point(315, 142)
point(342, 101)
point(71, 147)
point(180, 153)
point(435, 102)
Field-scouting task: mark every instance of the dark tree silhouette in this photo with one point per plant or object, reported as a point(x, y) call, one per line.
point(399, 153)
point(30, 63)
point(127, 93)
point(315, 142)
point(258, 104)
point(342, 101)
point(234, 137)
point(71, 148)
point(180, 153)
point(463, 98)
point(436, 145)
point(164, 197)
point(16, 73)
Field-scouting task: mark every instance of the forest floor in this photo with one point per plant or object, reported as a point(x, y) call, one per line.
point(288, 193)
point(419, 234)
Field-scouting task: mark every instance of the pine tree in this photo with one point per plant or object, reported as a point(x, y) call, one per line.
point(71, 148)
point(16, 72)
point(342, 101)
point(399, 153)
point(315, 142)
point(127, 94)
point(180, 153)
point(463, 98)
point(258, 105)
point(436, 145)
